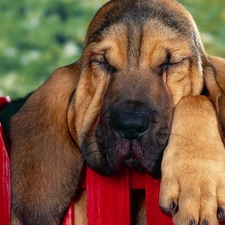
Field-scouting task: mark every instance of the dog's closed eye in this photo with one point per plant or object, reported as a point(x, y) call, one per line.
point(100, 60)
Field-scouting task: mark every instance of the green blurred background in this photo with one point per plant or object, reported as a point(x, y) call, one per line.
point(39, 36)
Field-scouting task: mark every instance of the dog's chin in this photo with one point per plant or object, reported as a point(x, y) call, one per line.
point(131, 161)
point(125, 152)
point(154, 170)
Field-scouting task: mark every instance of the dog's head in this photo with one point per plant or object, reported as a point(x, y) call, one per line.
point(140, 58)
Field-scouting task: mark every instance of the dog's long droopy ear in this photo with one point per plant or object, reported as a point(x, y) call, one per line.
point(45, 161)
point(215, 83)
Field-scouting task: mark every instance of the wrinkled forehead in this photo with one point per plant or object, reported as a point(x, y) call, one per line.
point(135, 15)
point(140, 28)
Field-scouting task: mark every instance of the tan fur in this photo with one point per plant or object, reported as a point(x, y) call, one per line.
point(215, 82)
point(80, 210)
point(193, 166)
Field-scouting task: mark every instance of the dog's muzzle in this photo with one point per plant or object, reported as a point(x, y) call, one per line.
point(131, 123)
point(130, 133)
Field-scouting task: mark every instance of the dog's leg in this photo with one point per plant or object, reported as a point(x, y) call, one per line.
point(193, 166)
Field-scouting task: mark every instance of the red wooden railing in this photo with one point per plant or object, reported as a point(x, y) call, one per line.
point(4, 175)
point(108, 198)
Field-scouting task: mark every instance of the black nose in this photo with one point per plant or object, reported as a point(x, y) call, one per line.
point(131, 123)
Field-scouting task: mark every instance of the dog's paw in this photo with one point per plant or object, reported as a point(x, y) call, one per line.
point(193, 167)
point(193, 191)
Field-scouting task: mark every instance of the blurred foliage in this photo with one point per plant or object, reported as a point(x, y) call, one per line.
point(39, 36)
point(210, 19)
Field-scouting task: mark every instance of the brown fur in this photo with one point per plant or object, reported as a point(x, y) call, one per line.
point(216, 85)
point(35, 178)
point(140, 59)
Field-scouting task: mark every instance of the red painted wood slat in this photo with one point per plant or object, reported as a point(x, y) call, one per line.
point(108, 199)
point(4, 183)
point(4, 174)
point(154, 215)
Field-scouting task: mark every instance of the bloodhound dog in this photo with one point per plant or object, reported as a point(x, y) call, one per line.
point(114, 107)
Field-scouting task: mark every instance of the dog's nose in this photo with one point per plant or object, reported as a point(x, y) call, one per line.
point(130, 124)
